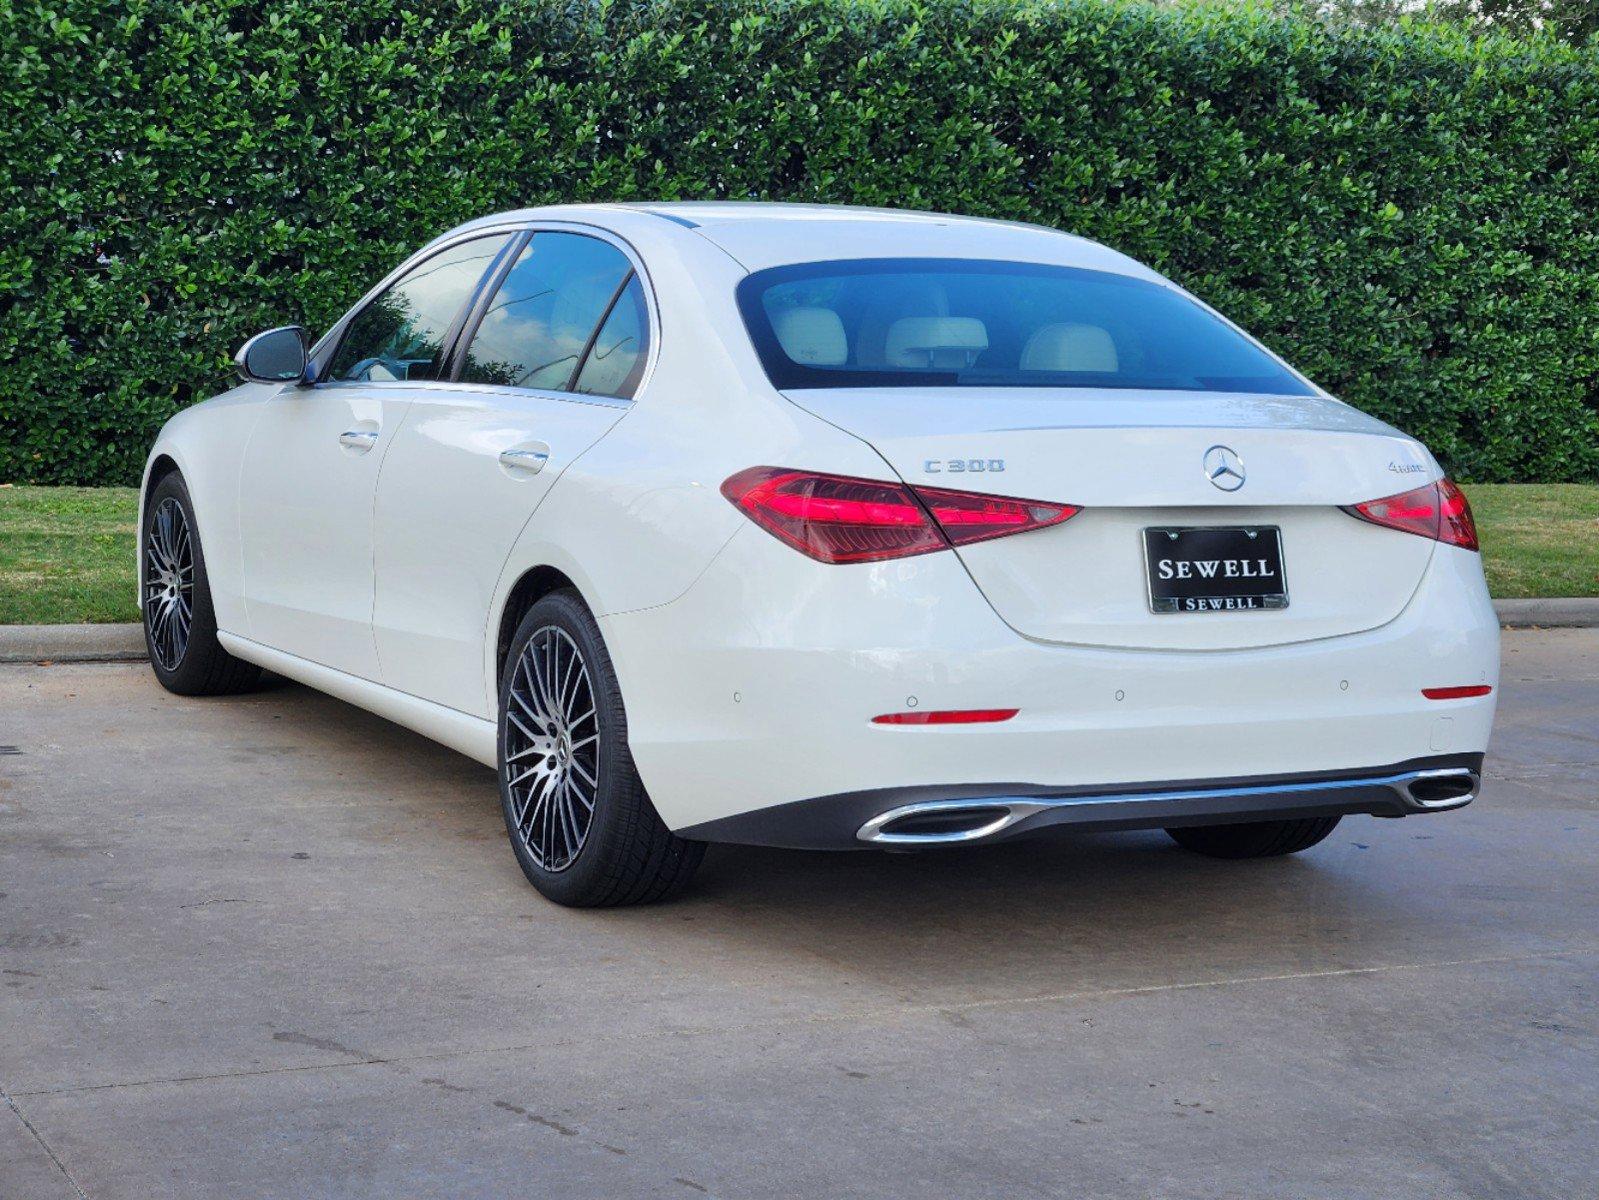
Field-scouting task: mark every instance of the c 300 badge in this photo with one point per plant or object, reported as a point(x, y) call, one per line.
point(963, 466)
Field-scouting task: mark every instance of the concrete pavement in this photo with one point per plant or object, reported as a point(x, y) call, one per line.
point(271, 946)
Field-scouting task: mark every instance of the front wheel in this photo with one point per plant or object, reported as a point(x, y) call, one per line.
point(1254, 839)
point(180, 626)
point(583, 830)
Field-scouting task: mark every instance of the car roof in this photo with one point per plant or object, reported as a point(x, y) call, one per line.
point(762, 234)
point(714, 213)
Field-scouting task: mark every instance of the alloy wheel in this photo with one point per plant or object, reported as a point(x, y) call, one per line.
point(551, 755)
point(169, 584)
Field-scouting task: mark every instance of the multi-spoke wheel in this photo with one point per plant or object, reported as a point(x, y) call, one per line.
point(581, 825)
point(552, 749)
point(180, 627)
point(169, 583)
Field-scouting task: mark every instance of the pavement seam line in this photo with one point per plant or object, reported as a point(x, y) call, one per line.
point(44, 1145)
point(866, 1015)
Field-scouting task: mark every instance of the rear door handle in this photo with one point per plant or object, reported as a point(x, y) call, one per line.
point(359, 440)
point(525, 458)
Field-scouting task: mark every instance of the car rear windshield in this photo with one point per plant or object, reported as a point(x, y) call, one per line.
point(925, 322)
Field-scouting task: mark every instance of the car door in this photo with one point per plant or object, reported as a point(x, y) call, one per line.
point(309, 472)
point(551, 356)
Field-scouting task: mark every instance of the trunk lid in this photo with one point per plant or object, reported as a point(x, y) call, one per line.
point(1135, 460)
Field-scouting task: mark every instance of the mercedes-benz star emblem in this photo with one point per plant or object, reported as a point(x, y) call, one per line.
point(1224, 468)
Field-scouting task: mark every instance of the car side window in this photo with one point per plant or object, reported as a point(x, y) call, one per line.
point(400, 334)
point(535, 330)
point(615, 361)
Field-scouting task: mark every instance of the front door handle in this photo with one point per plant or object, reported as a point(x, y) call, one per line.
point(359, 440)
point(525, 458)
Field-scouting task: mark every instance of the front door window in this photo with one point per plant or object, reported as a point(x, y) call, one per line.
point(400, 334)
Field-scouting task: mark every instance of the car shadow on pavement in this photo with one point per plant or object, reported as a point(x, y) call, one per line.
point(1052, 909)
point(1062, 907)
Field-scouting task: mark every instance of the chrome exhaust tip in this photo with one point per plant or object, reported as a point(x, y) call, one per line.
point(1450, 787)
point(944, 822)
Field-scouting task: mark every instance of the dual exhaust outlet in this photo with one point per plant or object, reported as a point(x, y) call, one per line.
point(984, 818)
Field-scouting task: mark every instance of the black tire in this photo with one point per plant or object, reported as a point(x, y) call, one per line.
point(194, 664)
point(1257, 839)
point(624, 854)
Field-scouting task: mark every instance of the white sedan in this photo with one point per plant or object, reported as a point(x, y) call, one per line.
point(827, 527)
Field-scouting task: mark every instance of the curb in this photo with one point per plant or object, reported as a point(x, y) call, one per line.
point(1573, 612)
point(124, 643)
point(71, 643)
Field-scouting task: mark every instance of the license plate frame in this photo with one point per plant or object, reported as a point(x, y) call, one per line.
point(1208, 543)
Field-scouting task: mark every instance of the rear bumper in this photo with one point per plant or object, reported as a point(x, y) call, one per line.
point(756, 691)
point(926, 817)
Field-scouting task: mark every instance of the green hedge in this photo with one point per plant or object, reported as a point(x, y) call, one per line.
point(1410, 215)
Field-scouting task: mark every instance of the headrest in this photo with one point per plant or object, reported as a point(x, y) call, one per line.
point(948, 343)
point(813, 337)
point(1067, 346)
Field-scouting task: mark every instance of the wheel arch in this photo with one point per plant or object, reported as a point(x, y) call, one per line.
point(530, 587)
point(161, 465)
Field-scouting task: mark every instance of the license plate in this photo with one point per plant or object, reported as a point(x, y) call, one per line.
point(1195, 570)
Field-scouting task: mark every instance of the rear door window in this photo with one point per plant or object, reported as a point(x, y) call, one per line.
point(535, 331)
point(615, 361)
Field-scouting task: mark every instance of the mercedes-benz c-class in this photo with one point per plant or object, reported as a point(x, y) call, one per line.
point(827, 527)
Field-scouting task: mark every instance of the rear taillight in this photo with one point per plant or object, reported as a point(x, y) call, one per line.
point(1436, 510)
point(833, 518)
point(839, 519)
point(967, 517)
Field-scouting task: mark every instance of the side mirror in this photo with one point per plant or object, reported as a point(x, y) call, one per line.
point(276, 356)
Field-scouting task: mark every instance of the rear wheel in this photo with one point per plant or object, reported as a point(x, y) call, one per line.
point(180, 626)
point(1257, 839)
point(583, 830)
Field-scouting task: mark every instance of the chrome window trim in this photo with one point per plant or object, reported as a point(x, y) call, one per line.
point(651, 307)
point(487, 389)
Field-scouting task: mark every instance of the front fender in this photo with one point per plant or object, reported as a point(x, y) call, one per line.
point(205, 444)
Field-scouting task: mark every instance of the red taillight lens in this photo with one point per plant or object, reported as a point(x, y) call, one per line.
point(839, 519)
point(1456, 525)
point(967, 517)
point(1436, 510)
point(833, 518)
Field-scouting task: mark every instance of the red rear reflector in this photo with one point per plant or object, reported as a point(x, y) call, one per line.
point(948, 716)
point(1457, 693)
point(840, 519)
point(1435, 510)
